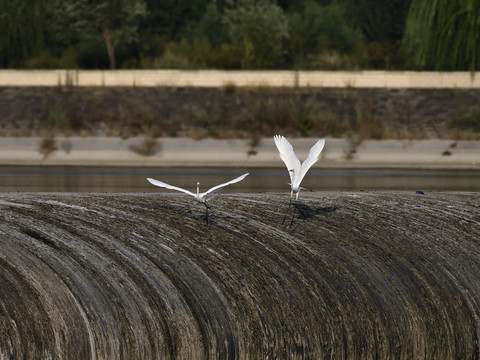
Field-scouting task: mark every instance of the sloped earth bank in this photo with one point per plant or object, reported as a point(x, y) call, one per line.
point(337, 275)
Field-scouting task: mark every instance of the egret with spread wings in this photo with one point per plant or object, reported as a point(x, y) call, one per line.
point(296, 170)
point(201, 197)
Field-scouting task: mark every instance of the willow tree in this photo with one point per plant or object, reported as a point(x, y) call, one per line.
point(445, 34)
point(22, 29)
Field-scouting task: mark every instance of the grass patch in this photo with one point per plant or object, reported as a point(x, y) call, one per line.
point(468, 121)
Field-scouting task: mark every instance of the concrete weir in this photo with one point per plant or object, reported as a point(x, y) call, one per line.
point(144, 276)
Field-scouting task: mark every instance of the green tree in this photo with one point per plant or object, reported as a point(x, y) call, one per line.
point(381, 20)
point(212, 25)
point(22, 30)
point(315, 28)
point(115, 21)
point(258, 29)
point(169, 17)
point(382, 25)
point(445, 34)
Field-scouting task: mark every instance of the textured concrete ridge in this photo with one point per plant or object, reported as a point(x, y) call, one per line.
point(336, 275)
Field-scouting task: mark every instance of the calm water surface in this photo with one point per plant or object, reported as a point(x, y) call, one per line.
point(133, 179)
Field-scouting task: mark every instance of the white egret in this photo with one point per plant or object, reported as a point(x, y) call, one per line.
point(201, 197)
point(296, 170)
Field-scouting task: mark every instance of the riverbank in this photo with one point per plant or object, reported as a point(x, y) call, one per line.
point(171, 152)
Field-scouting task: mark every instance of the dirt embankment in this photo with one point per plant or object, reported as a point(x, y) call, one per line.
point(137, 276)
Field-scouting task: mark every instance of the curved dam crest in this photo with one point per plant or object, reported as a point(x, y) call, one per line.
point(337, 275)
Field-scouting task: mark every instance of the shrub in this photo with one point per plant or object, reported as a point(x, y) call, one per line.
point(47, 146)
point(148, 147)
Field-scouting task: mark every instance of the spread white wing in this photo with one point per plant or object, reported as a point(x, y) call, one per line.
point(214, 189)
point(171, 187)
point(288, 156)
point(311, 159)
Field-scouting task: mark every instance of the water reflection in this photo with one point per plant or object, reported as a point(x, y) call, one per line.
point(128, 179)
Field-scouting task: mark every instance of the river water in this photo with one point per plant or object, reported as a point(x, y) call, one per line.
point(133, 179)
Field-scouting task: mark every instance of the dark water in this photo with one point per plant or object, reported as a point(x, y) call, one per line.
point(133, 179)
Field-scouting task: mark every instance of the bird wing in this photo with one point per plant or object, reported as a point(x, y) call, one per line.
point(288, 155)
point(311, 159)
point(214, 189)
point(171, 187)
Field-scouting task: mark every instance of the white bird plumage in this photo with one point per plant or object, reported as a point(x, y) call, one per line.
point(202, 197)
point(296, 170)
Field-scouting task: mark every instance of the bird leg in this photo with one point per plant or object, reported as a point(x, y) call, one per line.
point(286, 213)
point(206, 211)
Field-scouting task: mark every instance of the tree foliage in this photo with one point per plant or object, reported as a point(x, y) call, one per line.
point(235, 34)
point(381, 20)
point(445, 34)
point(318, 28)
point(258, 29)
point(115, 21)
point(167, 19)
point(22, 28)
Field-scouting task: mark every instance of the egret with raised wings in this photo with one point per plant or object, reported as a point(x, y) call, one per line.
point(296, 170)
point(201, 197)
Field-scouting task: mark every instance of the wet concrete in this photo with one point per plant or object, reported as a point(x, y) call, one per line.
point(143, 276)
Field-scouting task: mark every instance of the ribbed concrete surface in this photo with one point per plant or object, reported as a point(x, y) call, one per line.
point(388, 275)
